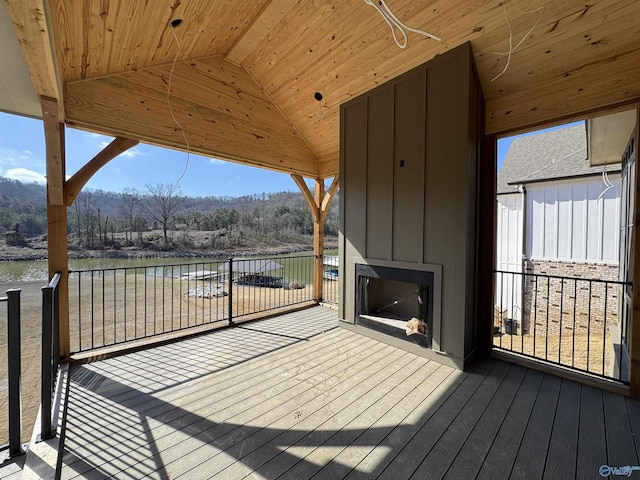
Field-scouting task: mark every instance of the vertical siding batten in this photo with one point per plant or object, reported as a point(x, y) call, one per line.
point(569, 222)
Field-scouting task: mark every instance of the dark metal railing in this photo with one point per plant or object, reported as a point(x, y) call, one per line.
point(117, 305)
point(577, 323)
point(330, 276)
point(13, 366)
point(50, 354)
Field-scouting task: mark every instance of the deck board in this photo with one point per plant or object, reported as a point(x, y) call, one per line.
point(445, 451)
point(620, 442)
point(422, 436)
point(633, 410)
point(532, 454)
point(294, 397)
point(469, 461)
point(499, 461)
point(563, 447)
point(592, 447)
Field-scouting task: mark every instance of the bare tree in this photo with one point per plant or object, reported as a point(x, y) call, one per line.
point(162, 202)
point(129, 206)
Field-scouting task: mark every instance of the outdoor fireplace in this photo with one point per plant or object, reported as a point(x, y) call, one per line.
point(388, 298)
point(409, 179)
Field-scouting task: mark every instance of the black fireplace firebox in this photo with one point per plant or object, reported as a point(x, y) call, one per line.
point(387, 298)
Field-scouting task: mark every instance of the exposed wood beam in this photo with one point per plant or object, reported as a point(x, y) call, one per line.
point(53, 136)
point(308, 196)
point(29, 18)
point(82, 176)
point(272, 14)
point(319, 203)
point(328, 196)
point(57, 245)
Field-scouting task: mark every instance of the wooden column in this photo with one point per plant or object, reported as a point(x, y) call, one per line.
point(318, 241)
point(634, 321)
point(319, 203)
point(57, 213)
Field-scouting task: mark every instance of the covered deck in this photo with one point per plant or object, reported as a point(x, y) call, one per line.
point(296, 397)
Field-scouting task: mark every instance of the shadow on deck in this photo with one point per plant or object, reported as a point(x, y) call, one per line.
point(295, 397)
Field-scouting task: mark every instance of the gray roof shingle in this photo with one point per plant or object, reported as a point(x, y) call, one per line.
point(554, 154)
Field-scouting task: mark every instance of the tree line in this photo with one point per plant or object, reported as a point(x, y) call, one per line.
point(100, 219)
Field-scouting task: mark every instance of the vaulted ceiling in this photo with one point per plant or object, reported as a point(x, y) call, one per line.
point(237, 78)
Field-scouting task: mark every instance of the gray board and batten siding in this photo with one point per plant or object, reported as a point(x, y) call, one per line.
point(409, 179)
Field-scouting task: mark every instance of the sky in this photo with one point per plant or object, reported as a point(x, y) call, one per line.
point(22, 157)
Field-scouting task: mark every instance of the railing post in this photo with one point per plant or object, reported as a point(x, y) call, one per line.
point(14, 380)
point(230, 290)
point(46, 366)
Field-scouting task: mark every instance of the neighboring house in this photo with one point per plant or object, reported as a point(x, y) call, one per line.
point(557, 215)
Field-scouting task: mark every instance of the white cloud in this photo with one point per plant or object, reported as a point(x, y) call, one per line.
point(94, 135)
point(216, 161)
point(131, 153)
point(25, 175)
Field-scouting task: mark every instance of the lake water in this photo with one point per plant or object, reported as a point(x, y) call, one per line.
point(36, 270)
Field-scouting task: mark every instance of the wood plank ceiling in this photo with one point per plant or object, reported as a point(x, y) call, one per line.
point(246, 71)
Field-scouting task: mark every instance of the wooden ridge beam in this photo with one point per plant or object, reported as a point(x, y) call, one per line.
point(82, 176)
point(272, 14)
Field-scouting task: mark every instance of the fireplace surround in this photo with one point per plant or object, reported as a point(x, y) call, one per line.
point(409, 184)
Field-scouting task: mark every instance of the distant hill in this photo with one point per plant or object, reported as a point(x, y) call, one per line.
point(97, 217)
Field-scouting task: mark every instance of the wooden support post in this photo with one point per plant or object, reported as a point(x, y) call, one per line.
point(319, 203)
point(634, 321)
point(57, 214)
point(318, 241)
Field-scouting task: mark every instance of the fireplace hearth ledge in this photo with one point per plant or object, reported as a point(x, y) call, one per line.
point(436, 355)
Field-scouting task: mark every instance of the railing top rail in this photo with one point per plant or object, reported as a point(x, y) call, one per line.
point(11, 290)
point(559, 277)
point(54, 281)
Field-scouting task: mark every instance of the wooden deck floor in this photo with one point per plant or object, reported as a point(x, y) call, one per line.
point(294, 397)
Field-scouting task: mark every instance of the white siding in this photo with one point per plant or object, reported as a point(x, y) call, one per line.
point(574, 221)
point(509, 254)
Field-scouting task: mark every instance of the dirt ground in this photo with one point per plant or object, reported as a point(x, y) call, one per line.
point(570, 351)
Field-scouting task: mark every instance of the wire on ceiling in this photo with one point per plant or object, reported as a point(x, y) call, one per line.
point(396, 24)
point(512, 49)
point(172, 26)
point(607, 183)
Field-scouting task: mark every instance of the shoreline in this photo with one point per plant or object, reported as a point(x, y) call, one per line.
point(19, 254)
